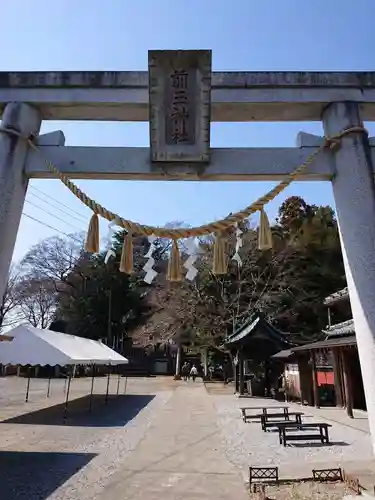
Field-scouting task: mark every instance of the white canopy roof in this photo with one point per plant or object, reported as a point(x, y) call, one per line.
point(34, 346)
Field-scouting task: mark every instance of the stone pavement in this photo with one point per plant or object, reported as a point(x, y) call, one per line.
point(181, 456)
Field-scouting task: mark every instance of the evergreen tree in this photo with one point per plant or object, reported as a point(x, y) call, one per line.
point(107, 304)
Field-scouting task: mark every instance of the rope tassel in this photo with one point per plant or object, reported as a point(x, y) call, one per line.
point(174, 265)
point(220, 263)
point(92, 240)
point(126, 262)
point(265, 234)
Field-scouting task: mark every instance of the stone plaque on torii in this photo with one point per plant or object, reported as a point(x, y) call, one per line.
point(179, 92)
point(180, 146)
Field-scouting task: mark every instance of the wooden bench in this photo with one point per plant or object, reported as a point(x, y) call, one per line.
point(264, 409)
point(293, 427)
point(266, 420)
point(259, 474)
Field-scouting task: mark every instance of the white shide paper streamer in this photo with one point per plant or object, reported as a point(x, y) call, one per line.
point(193, 250)
point(110, 252)
point(148, 267)
point(239, 243)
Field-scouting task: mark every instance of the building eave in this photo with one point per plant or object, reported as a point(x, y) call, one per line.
point(343, 328)
point(336, 297)
point(327, 344)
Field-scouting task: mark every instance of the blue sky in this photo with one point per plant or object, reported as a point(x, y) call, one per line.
point(244, 35)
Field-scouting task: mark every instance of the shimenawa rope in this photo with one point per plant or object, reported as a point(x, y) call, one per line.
point(176, 233)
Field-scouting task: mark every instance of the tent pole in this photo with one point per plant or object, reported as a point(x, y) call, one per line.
point(118, 380)
point(106, 394)
point(67, 399)
point(65, 381)
point(126, 383)
point(28, 385)
point(49, 382)
point(92, 385)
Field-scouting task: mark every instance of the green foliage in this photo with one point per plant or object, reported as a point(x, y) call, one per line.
point(315, 268)
point(103, 302)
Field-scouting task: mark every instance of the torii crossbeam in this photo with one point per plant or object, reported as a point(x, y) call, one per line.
point(180, 105)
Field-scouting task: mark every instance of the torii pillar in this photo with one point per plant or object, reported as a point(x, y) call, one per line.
point(354, 193)
point(26, 120)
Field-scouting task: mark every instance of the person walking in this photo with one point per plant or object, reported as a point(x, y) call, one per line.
point(193, 372)
point(185, 371)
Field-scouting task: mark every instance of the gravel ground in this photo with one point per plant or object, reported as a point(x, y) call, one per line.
point(305, 491)
point(246, 444)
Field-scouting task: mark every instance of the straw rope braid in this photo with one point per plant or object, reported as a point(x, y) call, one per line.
point(218, 226)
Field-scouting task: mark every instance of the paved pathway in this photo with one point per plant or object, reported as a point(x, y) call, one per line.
point(180, 456)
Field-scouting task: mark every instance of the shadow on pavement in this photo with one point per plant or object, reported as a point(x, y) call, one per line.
point(317, 445)
point(34, 475)
point(116, 413)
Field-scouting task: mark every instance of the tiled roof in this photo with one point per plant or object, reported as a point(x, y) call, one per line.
point(243, 332)
point(336, 297)
point(258, 325)
point(285, 354)
point(331, 342)
point(344, 328)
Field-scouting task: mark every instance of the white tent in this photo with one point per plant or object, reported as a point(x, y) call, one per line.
point(34, 346)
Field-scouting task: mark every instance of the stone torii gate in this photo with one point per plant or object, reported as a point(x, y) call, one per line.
point(180, 97)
